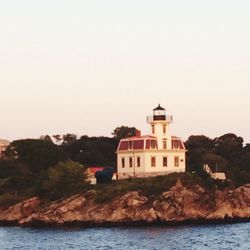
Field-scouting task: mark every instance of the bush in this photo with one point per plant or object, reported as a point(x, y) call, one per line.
point(64, 179)
point(147, 186)
point(8, 199)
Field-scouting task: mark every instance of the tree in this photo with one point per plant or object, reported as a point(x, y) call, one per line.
point(93, 151)
point(69, 138)
point(229, 146)
point(57, 138)
point(216, 162)
point(64, 179)
point(123, 132)
point(198, 146)
point(36, 154)
point(199, 141)
point(46, 137)
point(15, 178)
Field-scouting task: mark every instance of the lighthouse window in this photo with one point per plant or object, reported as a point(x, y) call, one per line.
point(176, 144)
point(123, 162)
point(176, 161)
point(153, 129)
point(138, 161)
point(153, 161)
point(153, 144)
point(130, 162)
point(165, 161)
point(164, 129)
point(164, 144)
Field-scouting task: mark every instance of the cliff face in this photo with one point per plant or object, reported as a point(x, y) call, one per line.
point(177, 205)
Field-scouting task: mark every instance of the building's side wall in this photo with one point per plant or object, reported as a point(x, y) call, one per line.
point(170, 162)
point(146, 169)
point(127, 170)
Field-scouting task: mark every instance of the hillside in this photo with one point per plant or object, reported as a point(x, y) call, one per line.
point(180, 204)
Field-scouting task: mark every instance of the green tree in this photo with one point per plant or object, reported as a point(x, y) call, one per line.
point(198, 147)
point(64, 179)
point(199, 141)
point(69, 138)
point(46, 137)
point(93, 151)
point(229, 146)
point(123, 132)
point(36, 154)
point(58, 138)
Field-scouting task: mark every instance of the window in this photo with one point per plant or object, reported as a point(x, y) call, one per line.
point(164, 144)
point(153, 144)
point(164, 129)
point(176, 144)
point(130, 162)
point(153, 161)
point(165, 161)
point(138, 161)
point(153, 129)
point(123, 162)
point(130, 145)
point(176, 161)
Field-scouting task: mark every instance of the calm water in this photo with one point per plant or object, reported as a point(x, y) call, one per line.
point(233, 236)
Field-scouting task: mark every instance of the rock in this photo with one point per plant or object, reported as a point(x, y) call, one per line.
point(20, 210)
point(177, 205)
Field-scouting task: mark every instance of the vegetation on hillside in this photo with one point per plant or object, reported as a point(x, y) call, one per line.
point(226, 153)
point(152, 186)
point(54, 167)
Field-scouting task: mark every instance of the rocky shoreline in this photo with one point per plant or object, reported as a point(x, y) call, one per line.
point(179, 205)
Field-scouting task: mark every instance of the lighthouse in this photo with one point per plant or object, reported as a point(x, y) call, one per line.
point(158, 153)
point(159, 123)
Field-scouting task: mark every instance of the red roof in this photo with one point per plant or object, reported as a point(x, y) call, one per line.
point(177, 143)
point(136, 142)
point(95, 169)
point(138, 137)
point(147, 142)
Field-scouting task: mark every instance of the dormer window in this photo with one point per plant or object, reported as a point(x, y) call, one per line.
point(130, 145)
point(164, 144)
point(153, 144)
point(164, 129)
point(176, 144)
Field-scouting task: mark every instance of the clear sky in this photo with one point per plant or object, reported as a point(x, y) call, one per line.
point(88, 66)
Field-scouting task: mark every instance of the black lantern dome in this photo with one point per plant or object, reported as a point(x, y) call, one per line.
point(159, 113)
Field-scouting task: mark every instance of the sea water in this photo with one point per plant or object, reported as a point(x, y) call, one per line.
point(223, 236)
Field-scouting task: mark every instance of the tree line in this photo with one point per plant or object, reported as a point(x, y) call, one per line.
point(52, 167)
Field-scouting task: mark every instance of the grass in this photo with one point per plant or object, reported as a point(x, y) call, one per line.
point(8, 199)
point(147, 186)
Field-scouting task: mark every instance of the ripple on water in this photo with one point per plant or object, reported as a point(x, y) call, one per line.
point(233, 236)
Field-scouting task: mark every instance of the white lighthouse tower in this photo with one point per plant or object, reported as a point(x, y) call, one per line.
point(160, 127)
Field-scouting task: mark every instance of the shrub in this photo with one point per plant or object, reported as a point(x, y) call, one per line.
point(8, 199)
point(64, 179)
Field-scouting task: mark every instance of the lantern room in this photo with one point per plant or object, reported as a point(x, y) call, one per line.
point(159, 113)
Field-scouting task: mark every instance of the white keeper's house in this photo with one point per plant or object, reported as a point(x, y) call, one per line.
point(156, 154)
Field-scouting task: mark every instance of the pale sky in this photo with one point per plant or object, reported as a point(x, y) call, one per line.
point(88, 66)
